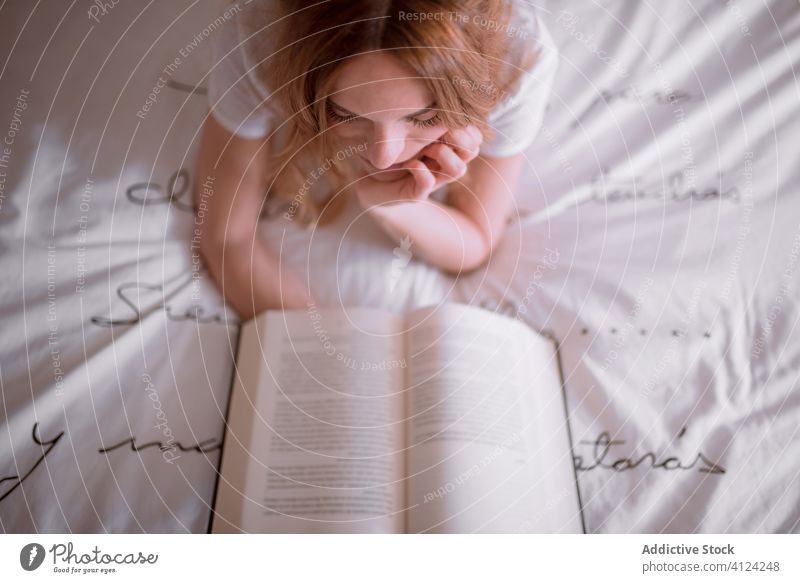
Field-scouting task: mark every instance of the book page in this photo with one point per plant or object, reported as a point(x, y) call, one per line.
point(325, 445)
point(487, 444)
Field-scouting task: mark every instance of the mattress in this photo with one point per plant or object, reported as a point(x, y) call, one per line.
point(657, 238)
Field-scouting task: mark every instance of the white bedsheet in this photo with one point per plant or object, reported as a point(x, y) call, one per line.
point(658, 240)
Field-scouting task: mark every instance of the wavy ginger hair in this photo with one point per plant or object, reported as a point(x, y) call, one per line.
point(469, 41)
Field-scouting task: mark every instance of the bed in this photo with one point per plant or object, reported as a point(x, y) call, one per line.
point(657, 238)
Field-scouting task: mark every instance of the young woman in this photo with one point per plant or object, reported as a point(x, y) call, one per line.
point(380, 102)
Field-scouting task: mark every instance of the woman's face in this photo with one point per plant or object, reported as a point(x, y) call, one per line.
point(380, 102)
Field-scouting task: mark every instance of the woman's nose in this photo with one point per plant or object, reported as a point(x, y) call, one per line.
point(386, 148)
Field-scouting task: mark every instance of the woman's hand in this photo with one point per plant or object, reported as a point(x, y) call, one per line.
point(438, 164)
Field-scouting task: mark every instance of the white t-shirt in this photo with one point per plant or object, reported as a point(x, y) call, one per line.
point(237, 96)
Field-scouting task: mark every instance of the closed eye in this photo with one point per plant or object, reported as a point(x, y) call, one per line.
point(338, 117)
point(341, 115)
point(427, 122)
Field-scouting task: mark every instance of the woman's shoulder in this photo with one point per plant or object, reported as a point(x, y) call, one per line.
point(239, 47)
point(530, 38)
point(533, 56)
point(244, 36)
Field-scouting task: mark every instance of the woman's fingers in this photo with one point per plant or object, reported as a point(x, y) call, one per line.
point(415, 186)
point(424, 180)
point(465, 142)
point(439, 163)
point(450, 165)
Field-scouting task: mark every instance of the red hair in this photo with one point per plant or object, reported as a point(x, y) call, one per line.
point(461, 49)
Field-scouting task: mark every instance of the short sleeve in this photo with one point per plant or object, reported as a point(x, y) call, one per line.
point(517, 119)
point(235, 95)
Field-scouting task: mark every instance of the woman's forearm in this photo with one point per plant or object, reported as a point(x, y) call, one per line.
point(438, 233)
point(251, 280)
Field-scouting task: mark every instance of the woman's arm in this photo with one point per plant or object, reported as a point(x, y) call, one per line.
point(460, 235)
point(229, 196)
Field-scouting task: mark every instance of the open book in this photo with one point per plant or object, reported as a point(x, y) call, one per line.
point(450, 419)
